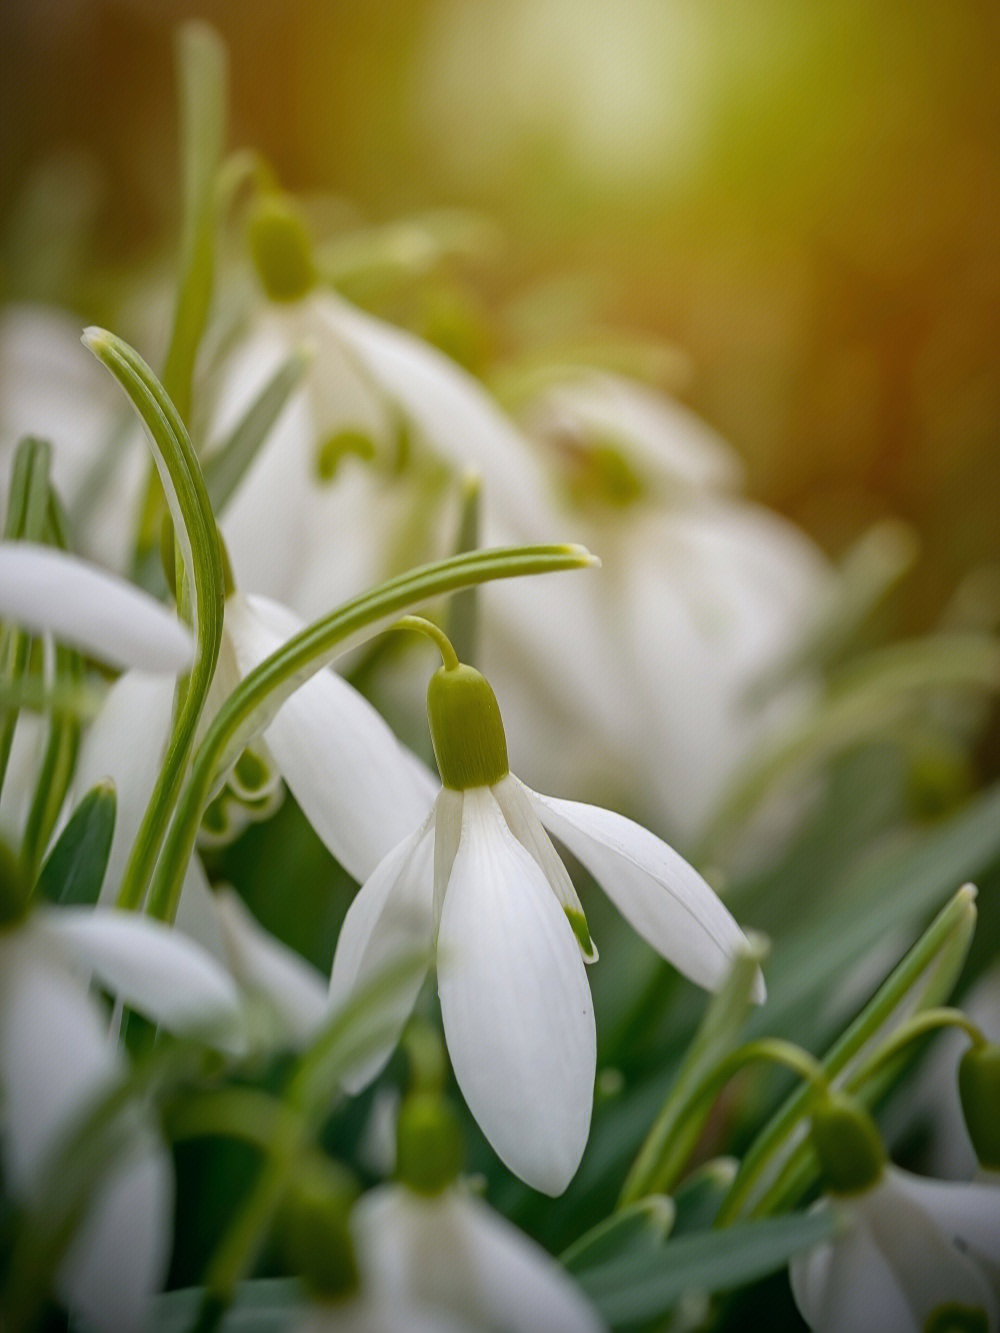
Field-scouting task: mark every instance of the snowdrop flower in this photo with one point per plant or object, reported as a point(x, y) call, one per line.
point(50, 388)
point(56, 1062)
point(915, 1255)
point(480, 875)
point(46, 591)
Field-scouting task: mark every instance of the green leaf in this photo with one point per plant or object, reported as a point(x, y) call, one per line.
point(225, 467)
point(202, 593)
point(463, 613)
point(640, 1228)
point(202, 68)
point(263, 1306)
point(645, 1286)
point(679, 1125)
point(74, 869)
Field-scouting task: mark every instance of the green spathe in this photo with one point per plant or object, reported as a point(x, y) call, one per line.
point(849, 1147)
point(280, 248)
point(979, 1087)
point(466, 728)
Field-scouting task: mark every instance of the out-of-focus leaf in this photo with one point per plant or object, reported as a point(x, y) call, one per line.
point(73, 871)
point(264, 1306)
point(641, 1228)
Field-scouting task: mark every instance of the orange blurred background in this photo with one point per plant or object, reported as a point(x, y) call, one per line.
point(804, 198)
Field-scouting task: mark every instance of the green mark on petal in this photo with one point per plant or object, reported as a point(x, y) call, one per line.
point(957, 1319)
point(582, 932)
point(337, 447)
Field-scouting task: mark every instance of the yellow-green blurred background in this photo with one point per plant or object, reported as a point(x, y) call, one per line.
point(803, 197)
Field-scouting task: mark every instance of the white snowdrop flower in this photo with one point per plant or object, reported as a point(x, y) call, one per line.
point(480, 875)
point(913, 1255)
point(50, 388)
point(47, 591)
point(453, 1251)
point(57, 1062)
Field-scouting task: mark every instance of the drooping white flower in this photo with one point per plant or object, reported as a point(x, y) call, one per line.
point(480, 876)
point(912, 1251)
point(46, 591)
point(453, 1252)
point(911, 1255)
point(57, 1062)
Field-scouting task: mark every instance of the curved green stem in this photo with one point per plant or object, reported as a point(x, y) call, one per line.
point(431, 631)
point(251, 706)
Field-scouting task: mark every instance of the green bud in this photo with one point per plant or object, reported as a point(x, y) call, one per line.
point(466, 728)
point(314, 1231)
point(849, 1147)
point(429, 1148)
point(13, 889)
point(979, 1088)
point(280, 248)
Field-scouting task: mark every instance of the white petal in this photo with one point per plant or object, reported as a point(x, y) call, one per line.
point(361, 790)
point(447, 834)
point(457, 1252)
point(47, 591)
point(294, 992)
point(453, 411)
point(654, 888)
point(967, 1212)
point(55, 1059)
point(526, 827)
point(516, 1006)
point(155, 969)
point(391, 918)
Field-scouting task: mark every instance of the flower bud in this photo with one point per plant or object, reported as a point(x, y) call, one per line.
point(849, 1147)
point(314, 1231)
point(466, 728)
point(979, 1088)
point(429, 1148)
point(280, 248)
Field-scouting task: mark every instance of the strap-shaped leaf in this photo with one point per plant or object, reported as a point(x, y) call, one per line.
point(197, 539)
point(74, 869)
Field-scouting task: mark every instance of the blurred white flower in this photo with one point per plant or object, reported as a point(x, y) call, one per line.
point(47, 591)
point(57, 1061)
point(915, 1255)
point(480, 877)
point(51, 388)
point(453, 1252)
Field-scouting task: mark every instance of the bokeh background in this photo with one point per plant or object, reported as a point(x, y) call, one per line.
point(803, 200)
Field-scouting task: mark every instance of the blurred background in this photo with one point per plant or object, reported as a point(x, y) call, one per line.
point(803, 200)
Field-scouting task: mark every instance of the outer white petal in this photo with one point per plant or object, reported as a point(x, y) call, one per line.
point(453, 411)
point(515, 1002)
point(47, 591)
point(361, 790)
point(293, 992)
point(526, 827)
point(455, 1251)
point(967, 1212)
point(155, 969)
point(55, 1059)
point(391, 918)
point(655, 889)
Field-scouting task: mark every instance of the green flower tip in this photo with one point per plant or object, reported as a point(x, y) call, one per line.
point(13, 889)
point(429, 1147)
point(955, 1318)
point(314, 1229)
point(582, 932)
point(979, 1088)
point(849, 1147)
point(470, 745)
point(280, 248)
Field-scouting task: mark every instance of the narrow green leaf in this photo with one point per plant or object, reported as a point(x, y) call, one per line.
point(641, 1228)
point(197, 539)
point(225, 467)
point(679, 1125)
point(253, 704)
point(646, 1286)
point(266, 1305)
point(202, 69)
point(463, 613)
point(73, 871)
